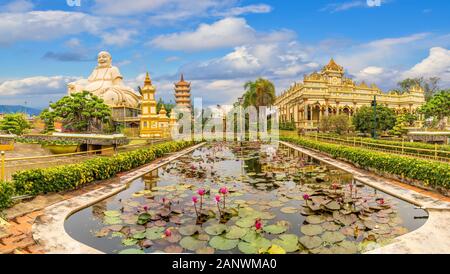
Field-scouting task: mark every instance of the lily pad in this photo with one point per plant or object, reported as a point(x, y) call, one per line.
point(129, 241)
point(333, 237)
point(289, 210)
point(139, 235)
point(216, 229)
point(310, 242)
point(154, 233)
point(132, 251)
point(348, 247)
point(289, 242)
point(236, 232)
point(248, 248)
point(192, 244)
point(277, 228)
point(173, 249)
point(311, 230)
point(330, 226)
point(143, 218)
point(112, 213)
point(333, 205)
point(112, 220)
point(205, 250)
point(188, 230)
point(221, 243)
point(315, 219)
point(246, 222)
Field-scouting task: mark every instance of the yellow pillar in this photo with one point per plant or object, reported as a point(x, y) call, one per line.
point(2, 177)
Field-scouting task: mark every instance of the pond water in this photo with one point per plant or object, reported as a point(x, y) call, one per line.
point(274, 200)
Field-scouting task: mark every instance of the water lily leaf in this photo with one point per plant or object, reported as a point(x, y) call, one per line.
point(205, 250)
point(143, 218)
point(236, 232)
point(310, 242)
point(154, 233)
point(112, 213)
point(216, 229)
point(112, 220)
point(276, 249)
point(333, 205)
point(188, 230)
point(129, 241)
point(115, 228)
point(246, 222)
point(192, 244)
point(333, 237)
point(174, 238)
point(173, 249)
point(132, 251)
point(117, 234)
point(102, 233)
point(248, 248)
point(348, 247)
point(276, 228)
point(311, 230)
point(315, 219)
point(289, 242)
point(289, 210)
point(139, 235)
point(146, 243)
point(221, 243)
point(275, 203)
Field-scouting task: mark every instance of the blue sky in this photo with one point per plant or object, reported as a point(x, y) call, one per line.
point(217, 44)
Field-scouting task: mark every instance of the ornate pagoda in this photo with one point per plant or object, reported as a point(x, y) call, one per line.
point(183, 94)
point(153, 124)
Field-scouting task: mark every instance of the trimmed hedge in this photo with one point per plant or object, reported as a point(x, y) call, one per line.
point(6, 193)
point(430, 173)
point(73, 176)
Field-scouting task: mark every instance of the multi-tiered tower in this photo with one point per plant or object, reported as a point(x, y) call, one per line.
point(183, 94)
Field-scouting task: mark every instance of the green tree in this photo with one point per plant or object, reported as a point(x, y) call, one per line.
point(438, 106)
point(363, 119)
point(400, 127)
point(336, 123)
point(14, 123)
point(49, 120)
point(430, 86)
point(259, 93)
point(167, 106)
point(82, 112)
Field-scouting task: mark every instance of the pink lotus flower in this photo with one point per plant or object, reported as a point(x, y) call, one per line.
point(217, 198)
point(258, 224)
point(164, 200)
point(223, 190)
point(335, 186)
point(380, 201)
point(201, 191)
point(168, 233)
point(306, 197)
point(195, 199)
point(145, 208)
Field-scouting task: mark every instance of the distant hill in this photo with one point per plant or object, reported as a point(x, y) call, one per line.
point(14, 109)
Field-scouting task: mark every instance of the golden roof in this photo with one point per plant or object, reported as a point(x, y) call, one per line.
point(162, 110)
point(333, 66)
point(148, 81)
point(182, 82)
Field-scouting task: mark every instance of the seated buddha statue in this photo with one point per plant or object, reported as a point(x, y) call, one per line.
point(106, 82)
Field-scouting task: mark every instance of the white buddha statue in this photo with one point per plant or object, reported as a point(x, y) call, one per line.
point(106, 82)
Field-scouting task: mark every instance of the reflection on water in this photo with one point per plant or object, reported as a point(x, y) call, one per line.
point(266, 183)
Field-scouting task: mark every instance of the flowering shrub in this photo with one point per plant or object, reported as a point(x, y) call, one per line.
point(6, 192)
point(61, 178)
point(430, 173)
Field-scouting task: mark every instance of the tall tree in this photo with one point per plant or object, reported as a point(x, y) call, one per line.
point(430, 85)
point(438, 106)
point(83, 112)
point(259, 93)
point(363, 119)
point(14, 123)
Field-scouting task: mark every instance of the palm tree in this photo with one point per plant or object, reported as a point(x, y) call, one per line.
point(259, 93)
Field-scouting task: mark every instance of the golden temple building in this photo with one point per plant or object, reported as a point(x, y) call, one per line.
point(153, 124)
point(183, 94)
point(329, 92)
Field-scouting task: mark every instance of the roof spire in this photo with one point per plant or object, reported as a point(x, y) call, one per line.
point(148, 81)
point(182, 77)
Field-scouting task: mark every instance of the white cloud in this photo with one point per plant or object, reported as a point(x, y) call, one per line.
point(46, 25)
point(120, 37)
point(236, 11)
point(18, 6)
point(228, 32)
point(347, 5)
point(437, 64)
point(37, 85)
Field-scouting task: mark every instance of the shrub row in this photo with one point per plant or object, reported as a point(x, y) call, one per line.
point(68, 177)
point(412, 145)
point(433, 174)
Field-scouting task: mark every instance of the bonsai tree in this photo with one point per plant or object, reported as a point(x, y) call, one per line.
point(15, 123)
point(49, 120)
point(401, 125)
point(81, 112)
point(338, 124)
point(438, 107)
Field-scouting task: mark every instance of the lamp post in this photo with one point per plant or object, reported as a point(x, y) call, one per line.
point(374, 129)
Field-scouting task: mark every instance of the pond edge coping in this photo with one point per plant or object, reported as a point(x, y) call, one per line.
point(48, 229)
point(432, 237)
